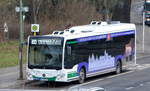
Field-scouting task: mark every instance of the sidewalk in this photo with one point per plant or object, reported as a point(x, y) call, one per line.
point(140, 53)
point(9, 76)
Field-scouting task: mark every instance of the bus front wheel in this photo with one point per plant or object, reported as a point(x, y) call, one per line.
point(82, 76)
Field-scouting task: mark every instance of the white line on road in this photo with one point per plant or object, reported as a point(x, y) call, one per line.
point(129, 88)
point(120, 74)
point(141, 84)
point(143, 66)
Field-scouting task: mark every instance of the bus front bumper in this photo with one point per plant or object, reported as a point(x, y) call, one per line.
point(49, 75)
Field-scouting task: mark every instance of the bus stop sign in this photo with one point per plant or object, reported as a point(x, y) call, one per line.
point(34, 27)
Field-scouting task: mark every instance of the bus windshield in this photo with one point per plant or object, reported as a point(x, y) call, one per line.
point(45, 56)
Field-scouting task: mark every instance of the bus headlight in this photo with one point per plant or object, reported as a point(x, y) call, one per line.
point(29, 76)
point(60, 76)
point(148, 19)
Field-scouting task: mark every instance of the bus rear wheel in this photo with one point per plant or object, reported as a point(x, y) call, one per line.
point(118, 67)
point(82, 76)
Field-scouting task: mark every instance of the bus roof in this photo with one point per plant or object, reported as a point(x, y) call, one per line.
point(94, 29)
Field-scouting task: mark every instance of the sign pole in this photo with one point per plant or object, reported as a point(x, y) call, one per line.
point(143, 39)
point(21, 42)
point(21, 10)
point(34, 34)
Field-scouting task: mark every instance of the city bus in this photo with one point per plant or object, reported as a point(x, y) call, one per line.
point(81, 52)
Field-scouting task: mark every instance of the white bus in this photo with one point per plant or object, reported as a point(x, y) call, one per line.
point(81, 52)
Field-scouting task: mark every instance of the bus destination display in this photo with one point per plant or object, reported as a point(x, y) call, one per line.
point(54, 41)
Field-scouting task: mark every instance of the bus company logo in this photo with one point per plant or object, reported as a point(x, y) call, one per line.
point(43, 75)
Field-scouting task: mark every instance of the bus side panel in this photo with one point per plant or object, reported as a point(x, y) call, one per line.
point(102, 54)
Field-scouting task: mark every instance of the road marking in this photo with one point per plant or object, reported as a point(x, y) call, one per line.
point(139, 67)
point(120, 74)
point(143, 57)
point(143, 66)
point(141, 84)
point(129, 88)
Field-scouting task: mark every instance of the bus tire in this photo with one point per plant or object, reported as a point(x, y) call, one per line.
point(118, 67)
point(82, 75)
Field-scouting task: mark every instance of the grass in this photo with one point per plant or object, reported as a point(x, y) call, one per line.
point(9, 53)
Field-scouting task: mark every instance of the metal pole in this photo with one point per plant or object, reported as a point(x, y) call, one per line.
point(135, 47)
point(143, 41)
point(21, 42)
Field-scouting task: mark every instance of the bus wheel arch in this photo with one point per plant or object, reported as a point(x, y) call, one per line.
point(82, 75)
point(118, 66)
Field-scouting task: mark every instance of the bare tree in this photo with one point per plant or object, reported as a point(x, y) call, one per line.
point(122, 11)
point(105, 7)
point(109, 6)
point(36, 6)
